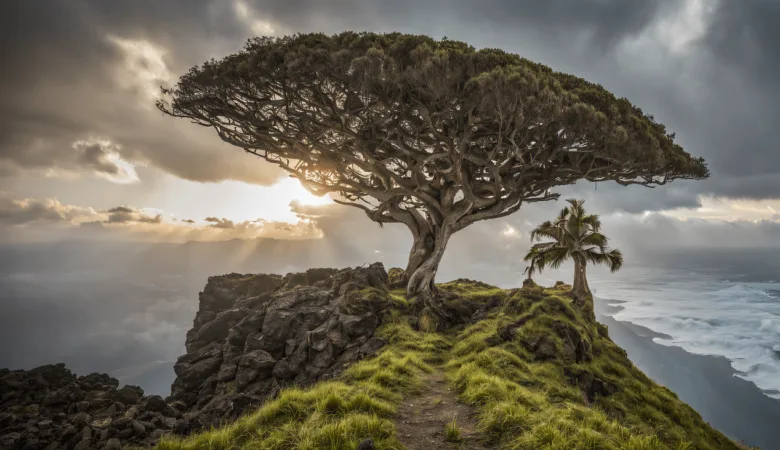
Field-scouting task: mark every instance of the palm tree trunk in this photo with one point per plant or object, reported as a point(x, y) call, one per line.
point(583, 298)
point(580, 287)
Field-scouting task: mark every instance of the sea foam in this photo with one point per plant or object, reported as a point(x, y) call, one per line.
point(704, 313)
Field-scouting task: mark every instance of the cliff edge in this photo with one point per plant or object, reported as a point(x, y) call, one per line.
point(339, 359)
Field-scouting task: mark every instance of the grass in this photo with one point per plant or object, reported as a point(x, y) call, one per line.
point(525, 403)
point(452, 432)
point(522, 402)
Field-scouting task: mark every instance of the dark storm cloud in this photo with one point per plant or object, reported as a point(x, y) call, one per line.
point(745, 36)
point(87, 70)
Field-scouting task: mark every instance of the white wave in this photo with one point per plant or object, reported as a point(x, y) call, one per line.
point(705, 315)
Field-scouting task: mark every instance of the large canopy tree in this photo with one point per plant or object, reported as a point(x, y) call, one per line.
point(435, 135)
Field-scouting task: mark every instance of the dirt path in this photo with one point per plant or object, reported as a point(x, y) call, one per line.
point(422, 418)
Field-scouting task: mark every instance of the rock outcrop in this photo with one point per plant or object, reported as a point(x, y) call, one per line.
point(252, 335)
point(50, 408)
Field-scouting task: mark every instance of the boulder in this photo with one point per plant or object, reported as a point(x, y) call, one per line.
point(128, 395)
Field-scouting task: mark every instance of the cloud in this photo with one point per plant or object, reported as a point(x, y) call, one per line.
point(78, 69)
point(144, 69)
point(220, 223)
point(30, 219)
point(28, 210)
point(102, 156)
point(124, 214)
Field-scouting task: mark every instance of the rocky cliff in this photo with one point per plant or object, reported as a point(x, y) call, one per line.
point(252, 335)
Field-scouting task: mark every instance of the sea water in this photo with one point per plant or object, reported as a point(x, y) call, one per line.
point(706, 308)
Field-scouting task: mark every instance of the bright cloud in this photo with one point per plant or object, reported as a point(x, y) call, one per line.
point(33, 219)
point(144, 67)
point(250, 18)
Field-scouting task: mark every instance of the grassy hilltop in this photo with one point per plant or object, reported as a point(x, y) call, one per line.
point(534, 373)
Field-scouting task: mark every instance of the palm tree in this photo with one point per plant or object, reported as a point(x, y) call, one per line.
point(574, 235)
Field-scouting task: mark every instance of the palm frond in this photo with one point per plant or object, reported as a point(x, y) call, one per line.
point(596, 239)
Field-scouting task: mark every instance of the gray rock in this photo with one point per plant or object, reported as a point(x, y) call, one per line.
point(9, 440)
point(138, 428)
point(113, 444)
point(276, 327)
point(227, 372)
point(217, 329)
point(128, 395)
point(372, 346)
point(194, 374)
point(244, 376)
point(358, 325)
point(367, 444)
point(256, 341)
point(259, 360)
point(81, 419)
point(132, 412)
point(84, 444)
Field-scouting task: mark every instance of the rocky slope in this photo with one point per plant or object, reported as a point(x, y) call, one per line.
point(49, 407)
point(252, 336)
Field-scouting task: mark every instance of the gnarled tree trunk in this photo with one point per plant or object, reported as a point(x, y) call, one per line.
point(427, 252)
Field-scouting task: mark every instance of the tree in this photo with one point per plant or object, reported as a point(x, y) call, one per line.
point(432, 134)
point(575, 235)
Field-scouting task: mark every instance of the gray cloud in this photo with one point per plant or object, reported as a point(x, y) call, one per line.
point(78, 69)
point(220, 223)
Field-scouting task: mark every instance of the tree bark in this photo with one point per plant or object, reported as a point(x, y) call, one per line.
point(427, 252)
point(583, 298)
point(421, 249)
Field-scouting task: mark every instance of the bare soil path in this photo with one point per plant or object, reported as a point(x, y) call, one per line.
point(422, 418)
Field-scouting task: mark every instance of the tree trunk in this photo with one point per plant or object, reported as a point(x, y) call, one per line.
point(424, 260)
point(583, 299)
point(421, 249)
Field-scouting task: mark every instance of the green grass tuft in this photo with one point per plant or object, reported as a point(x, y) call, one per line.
point(452, 432)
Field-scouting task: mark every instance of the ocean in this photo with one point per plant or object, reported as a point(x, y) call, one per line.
point(714, 302)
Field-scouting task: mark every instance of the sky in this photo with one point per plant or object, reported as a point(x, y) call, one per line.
point(84, 153)
point(94, 178)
